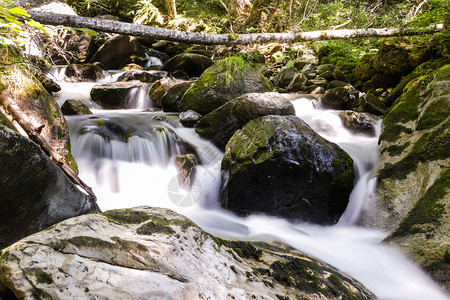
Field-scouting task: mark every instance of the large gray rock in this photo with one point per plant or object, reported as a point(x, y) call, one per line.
point(279, 166)
point(114, 95)
point(413, 177)
point(84, 72)
point(35, 193)
point(254, 105)
point(190, 63)
point(119, 51)
point(224, 81)
point(75, 107)
point(151, 253)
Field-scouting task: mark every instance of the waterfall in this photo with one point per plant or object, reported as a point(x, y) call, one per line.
point(127, 157)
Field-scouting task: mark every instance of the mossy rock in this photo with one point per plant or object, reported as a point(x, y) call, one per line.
point(4, 121)
point(381, 81)
point(190, 63)
point(127, 216)
point(393, 57)
point(222, 82)
point(364, 69)
point(370, 104)
point(75, 107)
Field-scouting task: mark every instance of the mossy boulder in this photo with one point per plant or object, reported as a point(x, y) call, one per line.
point(35, 192)
point(279, 166)
point(285, 76)
point(190, 63)
point(219, 125)
point(222, 82)
point(297, 83)
point(160, 88)
point(381, 80)
point(364, 69)
point(413, 203)
point(393, 57)
point(370, 104)
point(340, 97)
point(119, 51)
point(75, 107)
point(254, 105)
point(170, 100)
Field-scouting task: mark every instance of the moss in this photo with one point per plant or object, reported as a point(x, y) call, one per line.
point(86, 290)
point(127, 216)
point(395, 150)
point(364, 69)
point(89, 242)
point(43, 277)
point(428, 209)
point(129, 245)
point(245, 249)
point(151, 227)
point(184, 224)
point(233, 36)
point(435, 114)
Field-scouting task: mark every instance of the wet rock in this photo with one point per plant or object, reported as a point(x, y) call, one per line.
point(207, 51)
point(49, 85)
point(279, 166)
point(285, 76)
point(150, 253)
point(160, 88)
point(35, 192)
point(114, 95)
point(75, 107)
point(119, 51)
point(163, 57)
point(371, 104)
point(364, 69)
point(339, 98)
point(143, 76)
point(413, 176)
point(339, 75)
point(186, 165)
point(358, 122)
point(191, 64)
point(170, 100)
point(222, 82)
point(336, 83)
point(84, 72)
point(393, 57)
point(309, 71)
point(219, 125)
point(189, 118)
point(297, 83)
point(131, 66)
point(254, 105)
point(318, 81)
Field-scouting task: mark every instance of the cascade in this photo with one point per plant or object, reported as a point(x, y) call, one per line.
point(127, 157)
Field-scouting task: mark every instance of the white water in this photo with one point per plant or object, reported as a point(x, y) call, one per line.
point(142, 172)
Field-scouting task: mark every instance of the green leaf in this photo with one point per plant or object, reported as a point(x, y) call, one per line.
point(87, 30)
point(18, 11)
point(37, 25)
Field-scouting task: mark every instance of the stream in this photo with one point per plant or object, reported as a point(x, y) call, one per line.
point(128, 158)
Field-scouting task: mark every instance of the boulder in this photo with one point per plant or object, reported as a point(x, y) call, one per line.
point(119, 51)
point(364, 69)
point(207, 51)
point(142, 76)
point(297, 83)
point(160, 88)
point(186, 165)
point(190, 63)
point(309, 71)
point(358, 122)
point(84, 72)
point(219, 125)
point(279, 166)
point(317, 81)
point(392, 57)
point(35, 192)
point(339, 97)
point(49, 85)
point(189, 118)
point(75, 107)
point(413, 176)
point(254, 105)
point(170, 100)
point(285, 76)
point(222, 82)
point(114, 95)
point(370, 104)
point(339, 75)
point(381, 81)
point(154, 253)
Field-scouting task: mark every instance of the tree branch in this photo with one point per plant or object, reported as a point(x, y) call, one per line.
point(222, 39)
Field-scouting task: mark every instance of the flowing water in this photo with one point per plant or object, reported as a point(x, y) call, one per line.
point(127, 157)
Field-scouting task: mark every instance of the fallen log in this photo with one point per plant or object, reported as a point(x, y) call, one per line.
point(222, 39)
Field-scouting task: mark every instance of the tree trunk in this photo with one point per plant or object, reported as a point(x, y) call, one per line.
point(222, 39)
point(171, 8)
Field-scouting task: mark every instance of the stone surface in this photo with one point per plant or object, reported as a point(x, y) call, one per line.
point(84, 72)
point(151, 253)
point(170, 100)
point(413, 176)
point(119, 51)
point(190, 63)
point(160, 88)
point(297, 83)
point(370, 104)
point(189, 118)
point(254, 105)
point(143, 76)
point(358, 122)
point(35, 193)
point(285, 76)
point(222, 82)
point(339, 97)
point(114, 95)
point(75, 107)
point(279, 166)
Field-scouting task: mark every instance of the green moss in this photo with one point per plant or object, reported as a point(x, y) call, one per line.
point(364, 69)
point(43, 277)
point(127, 216)
point(151, 227)
point(89, 242)
point(184, 224)
point(86, 290)
point(245, 249)
point(129, 245)
point(428, 209)
point(435, 114)
point(395, 150)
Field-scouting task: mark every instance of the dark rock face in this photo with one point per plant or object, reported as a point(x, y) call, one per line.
point(254, 105)
point(113, 95)
point(160, 88)
point(219, 125)
point(35, 193)
point(169, 101)
point(279, 166)
point(142, 76)
point(358, 122)
point(75, 107)
point(190, 63)
point(222, 82)
point(286, 75)
point(84, 72)
point(337, 98)
point(371, 104)
point(189, 118)
point(119, 51)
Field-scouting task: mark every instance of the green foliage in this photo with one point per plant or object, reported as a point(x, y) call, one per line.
point(148, 14)
point(338, 52)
